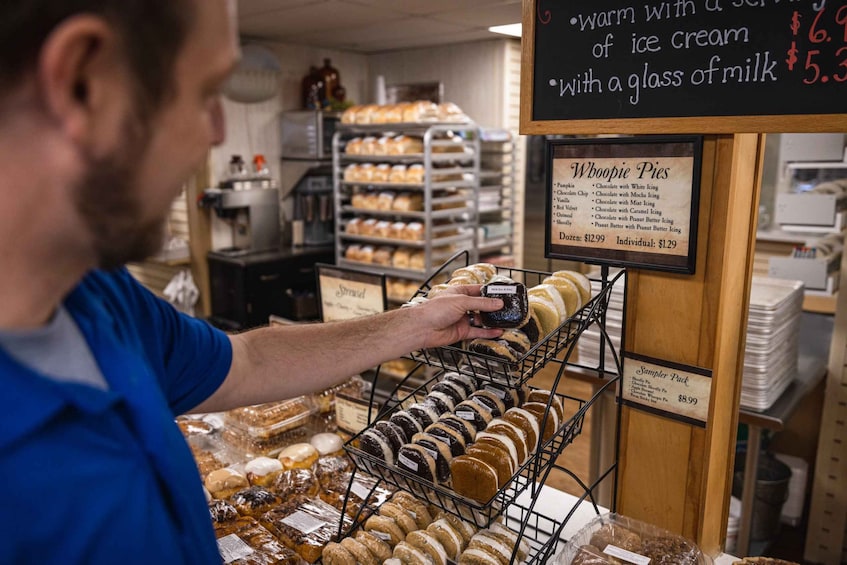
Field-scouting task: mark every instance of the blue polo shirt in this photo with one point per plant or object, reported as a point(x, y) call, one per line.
point(104, 476)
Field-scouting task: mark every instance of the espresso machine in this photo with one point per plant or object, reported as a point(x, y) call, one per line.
point(261, 229)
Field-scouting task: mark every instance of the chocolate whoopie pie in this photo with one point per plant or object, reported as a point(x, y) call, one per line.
point(395, 434)
point(515, 311)
point(408, 423)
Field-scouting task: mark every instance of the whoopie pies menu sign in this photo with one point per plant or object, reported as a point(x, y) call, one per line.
point(619, 59)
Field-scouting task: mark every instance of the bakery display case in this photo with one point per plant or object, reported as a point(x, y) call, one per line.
point(427, 442)
point(406, 192)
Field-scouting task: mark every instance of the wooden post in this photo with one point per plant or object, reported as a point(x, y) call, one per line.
point(673, 474)
point(200, 237)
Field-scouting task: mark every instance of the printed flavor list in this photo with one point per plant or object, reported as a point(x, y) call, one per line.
point(628, 204)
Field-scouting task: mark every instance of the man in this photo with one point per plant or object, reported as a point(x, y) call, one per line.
point(106, 106)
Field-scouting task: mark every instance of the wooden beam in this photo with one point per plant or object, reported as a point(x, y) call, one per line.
point(200, 237)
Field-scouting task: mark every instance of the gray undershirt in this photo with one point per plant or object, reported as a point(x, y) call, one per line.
point(57, 350)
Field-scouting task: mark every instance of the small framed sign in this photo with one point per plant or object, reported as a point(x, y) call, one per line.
point(345, 293)
point(673, 390)
point(630, 202)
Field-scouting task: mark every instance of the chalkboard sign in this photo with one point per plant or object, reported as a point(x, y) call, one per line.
point(622, 59)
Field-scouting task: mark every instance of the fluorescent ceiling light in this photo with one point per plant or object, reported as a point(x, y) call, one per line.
point(509, 29)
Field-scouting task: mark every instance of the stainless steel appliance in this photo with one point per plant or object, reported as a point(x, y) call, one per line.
point(313, 206)
point(307, 134)
point(262, 209)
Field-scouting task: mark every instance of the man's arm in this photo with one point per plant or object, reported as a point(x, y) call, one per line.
point(285, 361)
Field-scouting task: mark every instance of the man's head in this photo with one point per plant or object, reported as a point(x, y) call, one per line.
point(127, 88)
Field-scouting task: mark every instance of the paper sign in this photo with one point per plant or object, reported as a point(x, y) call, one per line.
point(347, 293)
point(673, 390)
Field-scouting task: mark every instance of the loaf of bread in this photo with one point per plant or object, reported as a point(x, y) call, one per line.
point(354, 146)
point(405, 145)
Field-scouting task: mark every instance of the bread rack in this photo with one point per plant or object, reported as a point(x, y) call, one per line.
point(543, 533)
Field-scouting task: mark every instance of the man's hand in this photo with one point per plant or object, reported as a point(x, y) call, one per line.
point(446, 318)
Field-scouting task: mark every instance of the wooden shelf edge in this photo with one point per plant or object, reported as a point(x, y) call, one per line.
point(820, 304)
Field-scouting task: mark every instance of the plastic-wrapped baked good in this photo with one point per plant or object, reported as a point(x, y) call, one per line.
point(515, 311)
point(262, 471)
point(225, 482)
point(298, 456)
point(335, 491)
point(254, 501)
point(295, 481)
point(304, 524)
point(267, 420)
point(253, 544)
point(612, 538)
point(248, 444)
point(222, 512)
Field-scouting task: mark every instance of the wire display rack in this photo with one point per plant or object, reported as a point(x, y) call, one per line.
point(514, 503)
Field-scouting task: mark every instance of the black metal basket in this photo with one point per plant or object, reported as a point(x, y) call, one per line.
point(442, 496)
point(495, 369)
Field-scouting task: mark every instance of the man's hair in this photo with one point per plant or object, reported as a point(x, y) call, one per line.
point(152, 31)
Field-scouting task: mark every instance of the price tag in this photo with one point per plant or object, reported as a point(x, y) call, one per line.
point(630, 202)
point(627, 556)
point(670, 389)
point(233, 548)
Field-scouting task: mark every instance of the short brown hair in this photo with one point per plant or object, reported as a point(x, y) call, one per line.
point(153, 32)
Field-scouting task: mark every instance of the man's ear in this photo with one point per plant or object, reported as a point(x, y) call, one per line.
point(77, 67)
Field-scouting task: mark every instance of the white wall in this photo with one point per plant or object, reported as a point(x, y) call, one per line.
point(472, 74)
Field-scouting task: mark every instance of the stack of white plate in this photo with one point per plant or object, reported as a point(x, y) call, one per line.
point(770, 359)
point(588, 346)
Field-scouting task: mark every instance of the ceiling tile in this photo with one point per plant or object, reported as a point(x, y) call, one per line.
point(253, 7)
point(424, 7)
point(508, 12)
point(429, 41)
point(333, 14)
point(358, 38)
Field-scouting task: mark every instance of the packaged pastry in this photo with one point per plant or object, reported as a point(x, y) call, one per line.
point(383, 227)
point(353, 226)
point(265, 420)
point(414, 231)
point(364, 172)
point(382, 255)
point(349, 115)
point(420, 111)
point(327, 443)
point(364, 114)
point(515, 310)
point(610, 538)
point(253, 544)
point(363, 488)
point(254, 501)
point(304, 524)
point(451, 113)
point(368, 226)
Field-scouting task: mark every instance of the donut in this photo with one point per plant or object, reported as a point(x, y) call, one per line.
point(517, 340)
point(532, 327)
point(492, 546)
point(494, 348)
point(298, 456)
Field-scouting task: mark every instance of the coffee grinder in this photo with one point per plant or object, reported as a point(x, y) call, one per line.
point(313, 207)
